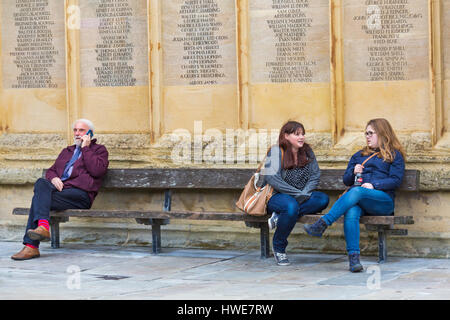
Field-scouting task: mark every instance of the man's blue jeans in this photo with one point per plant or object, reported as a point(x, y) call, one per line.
point(355, 203)
point(289, 211)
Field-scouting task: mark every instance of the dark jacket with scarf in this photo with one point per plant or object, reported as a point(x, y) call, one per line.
point(88, 171)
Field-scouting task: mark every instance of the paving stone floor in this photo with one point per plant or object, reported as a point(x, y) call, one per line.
point(80, 271)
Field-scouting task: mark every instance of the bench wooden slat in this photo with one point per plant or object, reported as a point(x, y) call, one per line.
point(226, 178)
point(229, 216)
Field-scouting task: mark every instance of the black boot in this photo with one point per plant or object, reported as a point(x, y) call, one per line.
point(355, 265)
point(316, 229)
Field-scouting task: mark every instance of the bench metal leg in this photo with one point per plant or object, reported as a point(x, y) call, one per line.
point(156, 237)
point(156, 223)
point(54, 230)
point(264, 237)
point(382, 248)
point(156, 231)
point(265, 241)
point(54, 233)
point(167, 200)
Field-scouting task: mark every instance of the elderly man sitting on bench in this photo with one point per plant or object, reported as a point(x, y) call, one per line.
point(72, 182)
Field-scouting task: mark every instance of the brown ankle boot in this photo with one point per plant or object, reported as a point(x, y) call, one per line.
point(40, 234)
point(26, 253)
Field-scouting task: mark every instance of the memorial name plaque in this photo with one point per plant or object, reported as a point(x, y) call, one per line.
point(114, 43)
point(33, 53)
point(289, 41)
point(199, 42)
point(385, 40)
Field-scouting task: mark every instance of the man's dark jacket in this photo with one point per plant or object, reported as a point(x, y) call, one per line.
point(88, 171)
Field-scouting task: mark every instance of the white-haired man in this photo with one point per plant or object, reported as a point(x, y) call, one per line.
point(72, 182)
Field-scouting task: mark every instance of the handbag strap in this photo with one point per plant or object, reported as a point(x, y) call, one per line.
point(264, 160)
point(374, 154)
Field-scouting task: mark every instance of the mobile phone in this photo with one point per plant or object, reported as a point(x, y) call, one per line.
point(90, 133)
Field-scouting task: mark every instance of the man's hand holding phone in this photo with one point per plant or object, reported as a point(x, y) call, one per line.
point(57, 183)
point(86, 139)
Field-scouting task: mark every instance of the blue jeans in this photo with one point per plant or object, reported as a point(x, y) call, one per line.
point(289, 211)
point(355, 203)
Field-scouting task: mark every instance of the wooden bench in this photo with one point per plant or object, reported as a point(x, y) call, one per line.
point(169, 180)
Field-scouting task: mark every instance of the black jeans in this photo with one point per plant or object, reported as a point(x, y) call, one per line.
point(46, 198)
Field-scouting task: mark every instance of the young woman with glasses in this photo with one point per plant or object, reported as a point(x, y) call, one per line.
point(381, 165)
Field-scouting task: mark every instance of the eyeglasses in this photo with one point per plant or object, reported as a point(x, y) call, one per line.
point(369, 133)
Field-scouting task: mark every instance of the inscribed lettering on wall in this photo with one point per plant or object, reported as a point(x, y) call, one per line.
point(33, 54)
point(114, 43)
point(385, 40)
point(199, 42)
point(289, 41)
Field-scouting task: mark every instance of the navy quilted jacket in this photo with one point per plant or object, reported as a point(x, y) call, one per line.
point(382, 175)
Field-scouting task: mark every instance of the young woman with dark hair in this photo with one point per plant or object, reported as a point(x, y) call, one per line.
point(381, 174)
point(292, 170)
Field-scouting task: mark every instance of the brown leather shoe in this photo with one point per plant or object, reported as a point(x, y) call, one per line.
point(40, 234)
point(26, 253)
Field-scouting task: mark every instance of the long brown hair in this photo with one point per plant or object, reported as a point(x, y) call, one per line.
point(302, 155)
point(387, 140)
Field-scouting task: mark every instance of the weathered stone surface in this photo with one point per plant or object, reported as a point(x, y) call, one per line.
point(436, 179)
point(125, 141)
point(12, 141)
point(19, 175)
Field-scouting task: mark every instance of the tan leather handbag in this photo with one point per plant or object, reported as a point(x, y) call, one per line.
point(254, 199)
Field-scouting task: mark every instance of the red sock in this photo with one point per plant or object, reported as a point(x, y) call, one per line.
point(44, 223)
point(31, 246)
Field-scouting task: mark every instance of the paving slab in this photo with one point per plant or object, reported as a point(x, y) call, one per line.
point(95, 272)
